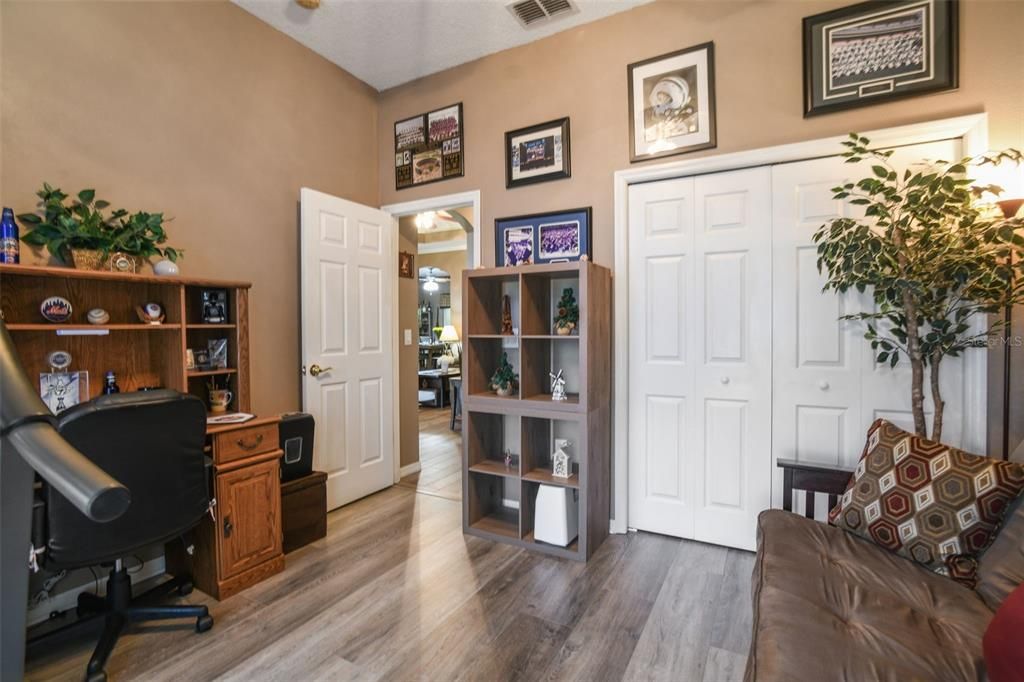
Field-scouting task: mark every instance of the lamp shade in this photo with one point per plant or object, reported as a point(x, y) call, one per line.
point(448, 334)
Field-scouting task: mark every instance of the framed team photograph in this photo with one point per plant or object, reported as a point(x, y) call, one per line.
point(538, 153)
point(543, 238)
point(672, 103)
point(429, 147)
point(879, 51)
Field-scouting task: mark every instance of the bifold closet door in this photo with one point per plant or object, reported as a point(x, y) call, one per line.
point(827, 387)
point(700, 356)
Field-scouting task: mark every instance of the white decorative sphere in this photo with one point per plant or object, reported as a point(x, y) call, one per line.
point(166, 268)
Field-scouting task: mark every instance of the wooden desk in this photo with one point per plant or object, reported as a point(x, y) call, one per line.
point(437, 380)
point(244, 544)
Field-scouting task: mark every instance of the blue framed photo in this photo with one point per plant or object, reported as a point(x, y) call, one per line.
point(543, 238)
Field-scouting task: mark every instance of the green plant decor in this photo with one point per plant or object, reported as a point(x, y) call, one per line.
point(932, 255)
point(568, 315)
point(63, 226)
point(142, 234)
point(81, 224)
point(504, 378)
point(437, 332)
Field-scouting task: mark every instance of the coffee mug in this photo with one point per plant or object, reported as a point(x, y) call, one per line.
point(220, 398)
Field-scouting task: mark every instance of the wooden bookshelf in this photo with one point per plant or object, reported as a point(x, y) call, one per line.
point(141, 355)
point(528, 421)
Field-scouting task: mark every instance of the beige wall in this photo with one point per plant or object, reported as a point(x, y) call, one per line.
point(581, 73)
point(408, 356)
point(200, 110)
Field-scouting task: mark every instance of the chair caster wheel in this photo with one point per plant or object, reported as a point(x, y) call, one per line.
point(100, 676)
point(204, 623)
point(185, 589)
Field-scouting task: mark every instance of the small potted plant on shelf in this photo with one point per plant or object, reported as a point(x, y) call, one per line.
point(81, 233)
point(504, 381)
point(568, 313)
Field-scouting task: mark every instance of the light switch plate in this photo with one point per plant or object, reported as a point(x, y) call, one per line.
point(408, 337)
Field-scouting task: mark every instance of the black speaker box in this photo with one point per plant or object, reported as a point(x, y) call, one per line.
point(296, 431)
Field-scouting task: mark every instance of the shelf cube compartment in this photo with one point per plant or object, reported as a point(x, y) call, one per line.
point(544, 357)
point(541, 294)
point(481, 361)
point(489, 510)
point(483, 308)
point(539, 436)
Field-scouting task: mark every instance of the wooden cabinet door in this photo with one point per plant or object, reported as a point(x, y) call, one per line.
point(249, 516)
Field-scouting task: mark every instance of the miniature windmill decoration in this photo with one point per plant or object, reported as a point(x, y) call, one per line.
point(557, 386)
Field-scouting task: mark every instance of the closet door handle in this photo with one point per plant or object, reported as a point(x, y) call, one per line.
point(823, 385)
point(725, 381)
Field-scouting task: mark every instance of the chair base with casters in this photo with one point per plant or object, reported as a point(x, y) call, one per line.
point(118, 608)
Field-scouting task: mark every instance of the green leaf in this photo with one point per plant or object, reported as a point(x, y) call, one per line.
point(86, 195)
point(30, 219)
point(880, 171)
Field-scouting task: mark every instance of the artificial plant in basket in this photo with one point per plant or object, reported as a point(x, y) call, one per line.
point(504, 380)
point(79, 230)
point(568, 313)
point(932, 256)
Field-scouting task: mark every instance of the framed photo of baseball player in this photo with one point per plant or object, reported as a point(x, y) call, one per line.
point(672, 103)
point(879, 51)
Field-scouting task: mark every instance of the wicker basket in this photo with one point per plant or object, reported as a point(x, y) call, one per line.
point(94, 259)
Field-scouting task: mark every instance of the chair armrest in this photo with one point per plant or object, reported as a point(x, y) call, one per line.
point(811, 479)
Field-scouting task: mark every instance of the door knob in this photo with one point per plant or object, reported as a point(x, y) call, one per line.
point(823, 385)
point(317, 370)
point(724, 380)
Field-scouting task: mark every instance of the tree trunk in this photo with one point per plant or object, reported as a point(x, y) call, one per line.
point(916, 365)
point(937, 400)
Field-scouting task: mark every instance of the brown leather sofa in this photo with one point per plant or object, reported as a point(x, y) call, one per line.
point(831, 606)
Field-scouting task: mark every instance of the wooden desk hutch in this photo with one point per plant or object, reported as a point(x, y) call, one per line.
point(244, 544)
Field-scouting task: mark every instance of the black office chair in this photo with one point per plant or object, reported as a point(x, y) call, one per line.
point(152, 442)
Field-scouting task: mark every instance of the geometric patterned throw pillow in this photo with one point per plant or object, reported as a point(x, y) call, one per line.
point(928, 502)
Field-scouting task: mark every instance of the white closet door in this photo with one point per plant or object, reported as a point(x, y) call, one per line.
point(661, 357)
point(700, 356)
point(732, 452)
point(827, 388)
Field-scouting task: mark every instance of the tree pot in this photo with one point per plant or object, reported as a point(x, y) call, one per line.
point(504, 392)
point(94, 259)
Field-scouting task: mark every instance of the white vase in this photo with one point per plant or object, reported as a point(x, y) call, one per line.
point(166, 268)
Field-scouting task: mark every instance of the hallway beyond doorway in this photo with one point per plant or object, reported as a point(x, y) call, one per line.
point(440, 471)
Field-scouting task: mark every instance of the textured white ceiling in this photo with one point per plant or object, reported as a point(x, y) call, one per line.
point(389, 42)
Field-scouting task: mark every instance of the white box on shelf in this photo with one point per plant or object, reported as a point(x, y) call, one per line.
point(556, 515)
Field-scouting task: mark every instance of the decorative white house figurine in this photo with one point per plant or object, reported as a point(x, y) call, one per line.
point(557, 386)
point(560, 465)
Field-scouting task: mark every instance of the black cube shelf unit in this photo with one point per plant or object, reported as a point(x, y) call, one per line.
point(498, 500)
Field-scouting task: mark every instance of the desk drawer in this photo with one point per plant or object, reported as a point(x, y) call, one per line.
point(242, 443)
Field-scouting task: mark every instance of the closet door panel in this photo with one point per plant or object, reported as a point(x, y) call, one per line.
point(817, 357)
point(732, 238)
point(661, 357)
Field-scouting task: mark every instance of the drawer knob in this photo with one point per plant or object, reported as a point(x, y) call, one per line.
point(250, 445)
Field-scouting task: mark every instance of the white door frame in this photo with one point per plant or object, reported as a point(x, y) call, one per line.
point(405, 208)
point(973, 129)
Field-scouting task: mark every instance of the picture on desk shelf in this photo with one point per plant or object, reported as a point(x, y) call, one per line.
point(543, 238)
point(876, 52)
point(537, 154)
point(672, 103)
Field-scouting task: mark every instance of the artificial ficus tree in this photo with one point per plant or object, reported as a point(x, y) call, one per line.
point(932, 256)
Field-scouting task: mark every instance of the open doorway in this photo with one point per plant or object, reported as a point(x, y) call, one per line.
point(440, 234)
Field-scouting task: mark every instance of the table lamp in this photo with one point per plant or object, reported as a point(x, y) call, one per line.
point(448, 337)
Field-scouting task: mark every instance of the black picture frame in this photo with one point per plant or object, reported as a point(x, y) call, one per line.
point(418, 142)
point(637, 91)
point(529, 230)
point(906, 22)
point(528, 141)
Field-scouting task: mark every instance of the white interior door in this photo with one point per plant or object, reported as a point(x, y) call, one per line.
point(733, 312)
point(827, 387)
point(348, 296)
point(700, 356)
point(662, 289)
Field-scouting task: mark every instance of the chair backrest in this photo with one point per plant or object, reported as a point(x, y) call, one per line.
point(152, 442)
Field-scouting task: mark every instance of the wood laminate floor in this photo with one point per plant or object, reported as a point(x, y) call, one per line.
point(440, 455)
point(396, 592)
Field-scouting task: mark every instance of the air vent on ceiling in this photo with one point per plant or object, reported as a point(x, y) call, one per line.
point(533, 12)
